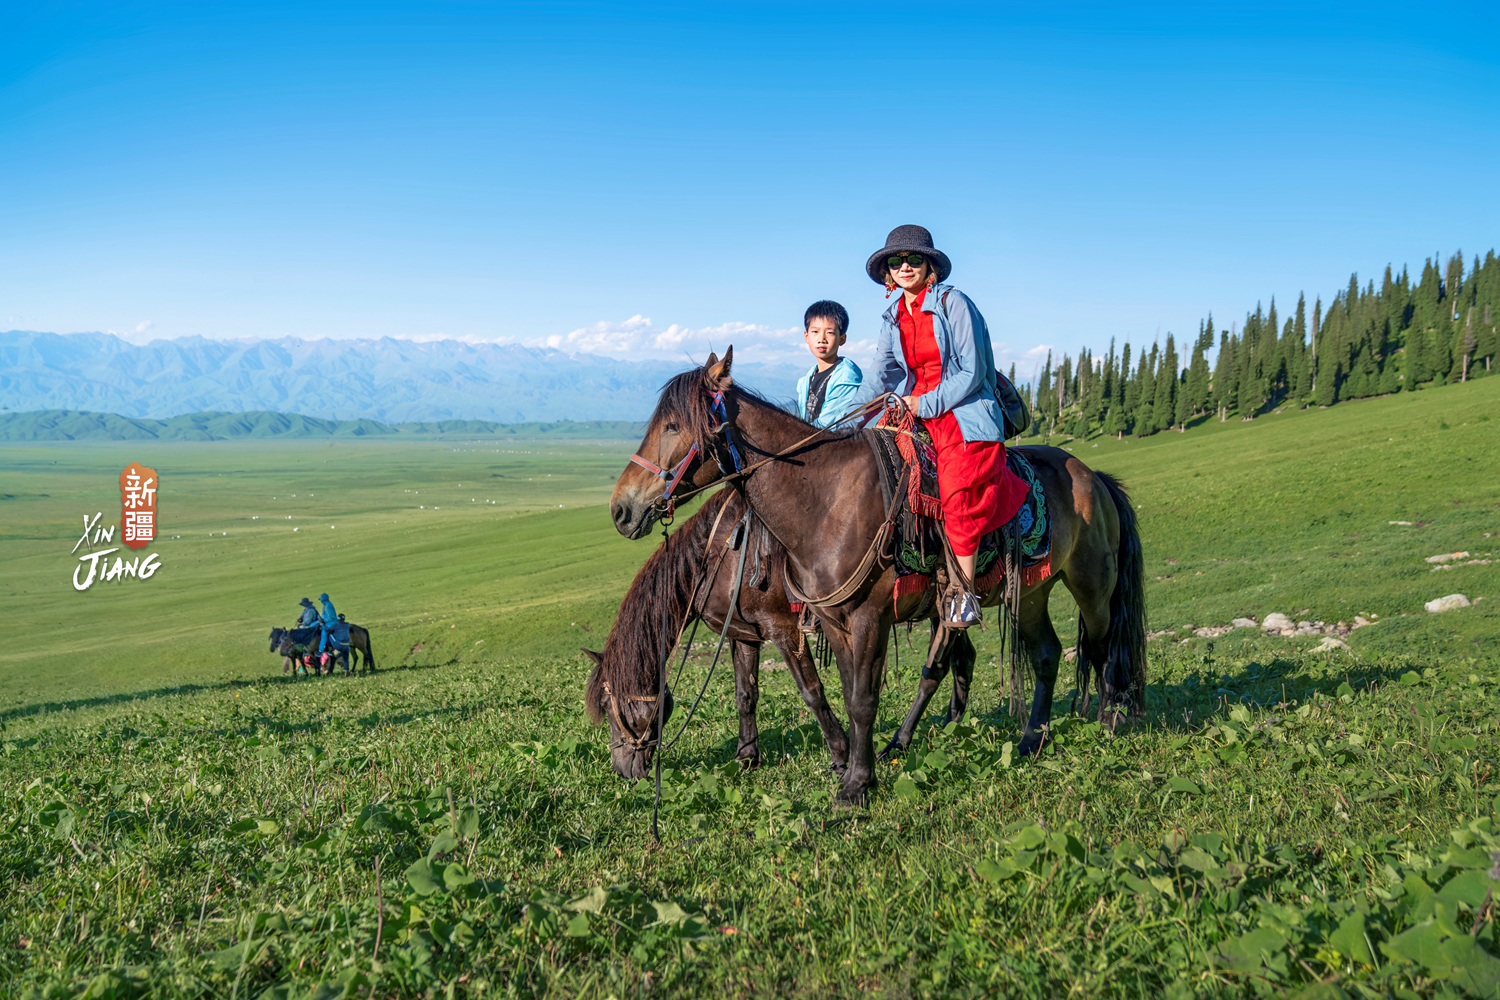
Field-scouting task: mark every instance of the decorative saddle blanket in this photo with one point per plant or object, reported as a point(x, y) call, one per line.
point(918, 542)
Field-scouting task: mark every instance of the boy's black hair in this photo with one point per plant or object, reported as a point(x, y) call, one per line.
point(827, 309)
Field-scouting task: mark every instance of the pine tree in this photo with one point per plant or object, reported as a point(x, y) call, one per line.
point(1118, 422)
point(1313, 348)
point(1269, 351)
point(1195, 387)
point(1163, 401)
point(1487, 303)
point(1450, 329)
point(1223, 390)
point(1146, 375)
point(1248, 398)
point(1297, 370)
point(1467, 345)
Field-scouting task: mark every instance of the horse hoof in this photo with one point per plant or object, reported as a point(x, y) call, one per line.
point(849, 800)
point(853, 796)
point(1031, 745)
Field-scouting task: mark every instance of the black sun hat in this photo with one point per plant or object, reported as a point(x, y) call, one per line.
point(305, 603)
point(907, 239)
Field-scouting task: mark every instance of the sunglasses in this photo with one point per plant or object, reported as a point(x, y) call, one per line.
point(895, 261)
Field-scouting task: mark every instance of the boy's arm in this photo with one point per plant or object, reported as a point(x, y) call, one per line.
point(843, 396)
point(971, 360)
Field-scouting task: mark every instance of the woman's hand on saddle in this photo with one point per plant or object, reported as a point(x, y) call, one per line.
point(910, 402)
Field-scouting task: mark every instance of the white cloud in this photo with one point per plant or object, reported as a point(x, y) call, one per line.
point(639, 338)
point(143, 326)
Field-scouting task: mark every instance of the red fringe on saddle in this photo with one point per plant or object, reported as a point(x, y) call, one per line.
point(906, 443)
point(1030, 575)
point(917, 583)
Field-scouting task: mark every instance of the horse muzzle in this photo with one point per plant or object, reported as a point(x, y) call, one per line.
point(632, 518)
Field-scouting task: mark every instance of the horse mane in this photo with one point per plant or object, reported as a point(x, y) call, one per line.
point(654, 608)
point(685, 398)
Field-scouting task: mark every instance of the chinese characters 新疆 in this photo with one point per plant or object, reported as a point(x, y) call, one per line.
point(138, 486)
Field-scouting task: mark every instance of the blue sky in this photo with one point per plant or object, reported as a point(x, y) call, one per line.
point(653, 179)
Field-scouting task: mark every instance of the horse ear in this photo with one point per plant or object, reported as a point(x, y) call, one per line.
point(718, 369)
point(598, 658)
point(713, 359)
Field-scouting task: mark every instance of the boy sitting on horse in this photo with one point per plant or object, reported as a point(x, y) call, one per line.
point(831, 387)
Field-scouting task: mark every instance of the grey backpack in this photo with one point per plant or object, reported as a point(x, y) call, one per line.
point(1012, 407)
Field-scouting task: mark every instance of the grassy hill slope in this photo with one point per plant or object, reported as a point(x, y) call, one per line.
point(177, 820)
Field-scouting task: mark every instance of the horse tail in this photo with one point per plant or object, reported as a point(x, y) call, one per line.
point(1124, 670)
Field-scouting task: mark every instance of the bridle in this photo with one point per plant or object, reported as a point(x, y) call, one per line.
point(635, 741)
point(666, 504)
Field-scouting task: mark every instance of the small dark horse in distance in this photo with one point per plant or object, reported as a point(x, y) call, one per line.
point(292, 651)
point(623, 686)
point(819, 495)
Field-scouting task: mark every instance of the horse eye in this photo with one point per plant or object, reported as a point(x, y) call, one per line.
point(672, 426)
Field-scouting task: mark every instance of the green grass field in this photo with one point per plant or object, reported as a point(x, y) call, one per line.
point(178, 819)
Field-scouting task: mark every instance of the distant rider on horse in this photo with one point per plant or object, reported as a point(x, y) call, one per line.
point(935, 351)
point(330, 619)
point(309, 614)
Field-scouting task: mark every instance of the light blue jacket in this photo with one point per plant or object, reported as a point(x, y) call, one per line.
point(840, 395)
point(968, 385)
point(330, 616)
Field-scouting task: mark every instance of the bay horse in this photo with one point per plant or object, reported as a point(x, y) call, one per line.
point(622, 687)
point(819, 495)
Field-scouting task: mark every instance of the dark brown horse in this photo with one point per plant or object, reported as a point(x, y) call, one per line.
point(623, 686)
point(822, 501)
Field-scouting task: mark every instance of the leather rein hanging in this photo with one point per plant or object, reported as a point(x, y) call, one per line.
point(875, 554)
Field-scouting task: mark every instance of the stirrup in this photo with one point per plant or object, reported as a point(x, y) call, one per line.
point(960, 609)
point(807, 622)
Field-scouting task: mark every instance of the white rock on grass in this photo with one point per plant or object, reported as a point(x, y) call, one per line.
point(1447, 603)
point(1277, 621)
point(1443, 557)
point(1330, 643)
point(1244, 623)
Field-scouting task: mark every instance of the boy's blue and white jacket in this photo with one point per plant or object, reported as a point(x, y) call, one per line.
point(840, 396)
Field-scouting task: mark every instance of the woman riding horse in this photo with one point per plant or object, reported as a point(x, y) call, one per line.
point(935, 350)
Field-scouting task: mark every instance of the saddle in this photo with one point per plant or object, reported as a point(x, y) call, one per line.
point(918, 542)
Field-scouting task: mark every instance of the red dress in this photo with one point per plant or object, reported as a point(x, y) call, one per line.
point(978, 491)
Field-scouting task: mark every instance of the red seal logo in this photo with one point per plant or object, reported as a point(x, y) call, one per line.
point(138, 486)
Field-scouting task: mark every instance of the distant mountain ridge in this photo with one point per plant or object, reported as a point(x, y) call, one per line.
point(73, 425)
point(386, 380)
